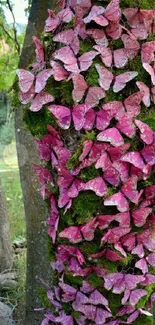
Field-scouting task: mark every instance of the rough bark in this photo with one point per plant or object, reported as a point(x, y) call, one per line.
point(6, 253)
point(35, 209)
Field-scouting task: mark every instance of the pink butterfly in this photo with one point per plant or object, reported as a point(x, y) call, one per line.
point(114, 30)
point(89, 229)
point(146, 92)
point(146, 133)
point(140, 215)
point(105, 77)
point(147, 52)
point(136, 18)
point(41, 99)
point(65, 252)
point(142, 265)
point(148, 153)
point(72, 233)
point(126, 126)
point(129, 189)
point(117, 152)
point(108, 254)
point(87, 145)
point(80, 86)
point(54, 21)
point(107, 56)
point(113, 11)
point(103, 162)
point(26, 80)
point(27, 97)
point(99, 36)
point(134, 296)
point(59, 73)
point(80, 115)
point(94, 95)
point(120, 282)
point(113, 235)
point(122, 79)
point(119, 200)
point(73, 64)
point(96, 185)
point(131, 46)
point(40, 57)
point(134, 158)
point(68, 37)
point(53, 219)
point(132, 104)
point(111, 175)
point(151, 71)
point(41, 79)
point(111, 135)
point(138, 250)
point(96, 14)
point(62, 114)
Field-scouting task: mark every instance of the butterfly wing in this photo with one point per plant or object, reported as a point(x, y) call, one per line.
point(80, 87)
point(122, 79)
point(105, 77)
point(26, 79)
point(41, 99)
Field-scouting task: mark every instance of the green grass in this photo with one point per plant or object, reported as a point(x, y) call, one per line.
point(10, 180)
point(13, 194)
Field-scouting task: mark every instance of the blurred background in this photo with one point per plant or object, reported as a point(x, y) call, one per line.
point(13, 21)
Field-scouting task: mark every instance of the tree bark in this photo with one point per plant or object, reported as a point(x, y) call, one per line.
point(6, 252)
point(35, 210)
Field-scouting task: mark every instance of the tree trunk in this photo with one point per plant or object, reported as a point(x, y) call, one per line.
point(35, 209)
point(6, 253)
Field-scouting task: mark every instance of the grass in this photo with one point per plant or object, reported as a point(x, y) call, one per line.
point(10, 180)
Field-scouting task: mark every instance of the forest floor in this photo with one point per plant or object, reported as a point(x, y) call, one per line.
point(9, 175)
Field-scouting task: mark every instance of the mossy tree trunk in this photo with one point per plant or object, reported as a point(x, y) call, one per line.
point(38, 265)
point(35, 208)
point(6, 253)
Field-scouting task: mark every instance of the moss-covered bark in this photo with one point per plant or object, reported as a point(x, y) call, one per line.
point(87, 204)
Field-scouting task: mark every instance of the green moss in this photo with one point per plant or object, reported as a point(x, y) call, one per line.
point(67, 218)
point(67, 307)
point(50, 250)
point(75, 281)
point(144, 300)
point(92, 76)
point(65, 95)
point(74, 159)
point(45, 302)
point(94, 280)
point(89, 136)
point(89, 247)
point(85, 46)
point(149, 119)
point(114, 301)
point(142, 4)
point(116, 44)
point(109, 265)
point(143, 320)
point(76, 314)
point(37, 122)
point(89, 173)
point(85, 205)
point(110, 96)
point(62, 91)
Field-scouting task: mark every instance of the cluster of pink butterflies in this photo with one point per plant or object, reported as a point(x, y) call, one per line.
point(118, 165)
